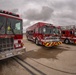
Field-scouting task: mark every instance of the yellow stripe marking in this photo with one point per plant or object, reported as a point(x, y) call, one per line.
point(47, 44)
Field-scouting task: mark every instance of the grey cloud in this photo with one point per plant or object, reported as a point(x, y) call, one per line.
point(36, 1)
point(59, 4)
point(10, 4)
point(67, 21)
point(70, 16)
point(14, 10)
point(72, 4)
point(65, 12)
point(27, 23)
point(44, 14)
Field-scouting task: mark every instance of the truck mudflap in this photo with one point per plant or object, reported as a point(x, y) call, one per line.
point(50, 44)
point(11, 53)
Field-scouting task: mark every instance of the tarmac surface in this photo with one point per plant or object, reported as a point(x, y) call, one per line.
point(40, 60)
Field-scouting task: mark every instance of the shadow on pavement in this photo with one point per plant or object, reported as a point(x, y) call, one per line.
point(44, 52)
point(71, 44)
point(4, 65)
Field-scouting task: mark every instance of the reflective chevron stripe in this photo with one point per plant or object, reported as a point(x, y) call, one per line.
point(52, 44)
point(47, 44)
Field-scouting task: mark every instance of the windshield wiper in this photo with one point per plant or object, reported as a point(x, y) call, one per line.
point(12, 29)
point(1, 26)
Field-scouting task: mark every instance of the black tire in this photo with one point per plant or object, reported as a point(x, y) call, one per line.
point(28, 38)
point(66, 41)
point(36, 42)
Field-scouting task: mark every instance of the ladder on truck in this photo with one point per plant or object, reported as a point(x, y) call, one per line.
point(69, 27)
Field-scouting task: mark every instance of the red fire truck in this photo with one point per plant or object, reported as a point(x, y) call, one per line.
point(68, 34)
point(11, 35)
point(44, 34)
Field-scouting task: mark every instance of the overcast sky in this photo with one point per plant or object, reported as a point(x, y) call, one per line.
point(57, 12)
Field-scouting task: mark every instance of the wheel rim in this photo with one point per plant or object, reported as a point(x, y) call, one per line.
point(36, 41)
point(66, 41)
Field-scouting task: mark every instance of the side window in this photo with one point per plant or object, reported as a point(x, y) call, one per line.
point(2, 24)
point(63, 32)
point(40, 30)
point(71, 32)
point(44, 30)
point(31, 32)
point(17, 26)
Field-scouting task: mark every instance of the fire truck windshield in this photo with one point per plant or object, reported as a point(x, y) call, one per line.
point(2, 24)
point(14, 26)
point(10, 25)
point(56, 31)
point(49, 30)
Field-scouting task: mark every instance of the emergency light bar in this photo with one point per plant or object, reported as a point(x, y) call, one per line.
point(49, 24)
point(9, 13)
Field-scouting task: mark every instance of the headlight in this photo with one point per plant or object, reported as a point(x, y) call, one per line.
point(18, 45)
point(15, 41)
point(75, 33)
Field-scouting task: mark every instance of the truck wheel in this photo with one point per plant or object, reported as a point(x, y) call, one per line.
point(67, 41)
point(37, 42)
point(28, 38)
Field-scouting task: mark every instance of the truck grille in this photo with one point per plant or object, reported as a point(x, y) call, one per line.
point(6, 44)
point(47, 38)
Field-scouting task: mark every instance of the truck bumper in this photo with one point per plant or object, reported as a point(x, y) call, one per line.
point(50, 44)
point(11, 53)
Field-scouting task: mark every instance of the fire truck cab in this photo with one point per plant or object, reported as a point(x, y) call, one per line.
point(11, 35)
point(44, 34)
point(68, 34)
